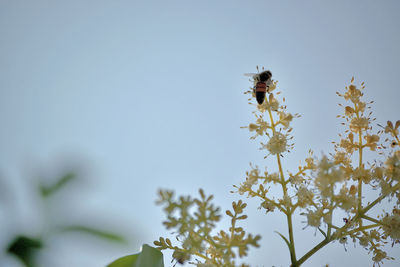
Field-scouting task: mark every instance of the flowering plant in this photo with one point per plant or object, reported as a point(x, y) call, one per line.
point(329, 192)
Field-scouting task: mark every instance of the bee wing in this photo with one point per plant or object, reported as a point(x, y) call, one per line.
point(250, 74)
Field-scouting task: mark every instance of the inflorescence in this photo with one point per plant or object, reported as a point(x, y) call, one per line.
point(321, 190)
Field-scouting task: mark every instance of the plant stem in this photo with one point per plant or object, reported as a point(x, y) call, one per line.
point(362, 228)
point(367, 208)
point(360, 165)
point(371, 219)
point(254, 193)
point(311, 252)
point(285, 194)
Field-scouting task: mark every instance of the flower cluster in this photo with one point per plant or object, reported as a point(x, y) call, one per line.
point(321, 187)
point(195, 222)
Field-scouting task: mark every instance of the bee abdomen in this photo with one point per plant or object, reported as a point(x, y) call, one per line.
point(261, 88)
point(260, 96)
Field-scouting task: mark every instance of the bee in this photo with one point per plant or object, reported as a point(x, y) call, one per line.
point(262, 80)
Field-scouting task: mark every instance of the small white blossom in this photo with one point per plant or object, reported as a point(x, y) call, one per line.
point(391, 226)
point(277, 144)
point(314, 218)
point(379, 256)
point(393, 167)
point(304, 196)
point(359, 124)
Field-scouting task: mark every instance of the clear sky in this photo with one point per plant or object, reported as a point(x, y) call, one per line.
point(150, 95)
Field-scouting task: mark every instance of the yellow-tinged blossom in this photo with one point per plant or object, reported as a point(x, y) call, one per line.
point(317, 189)
point(353, 94)
point(277, 144)
point(391, 226)
point(195, 221)
point(331, 184)
point(359, 124)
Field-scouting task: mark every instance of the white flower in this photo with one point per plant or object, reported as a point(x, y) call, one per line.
point(391, 226)
point(359, 124)
point(379, 255)
point(277, 144)
point(314, 218)
point(304, 196)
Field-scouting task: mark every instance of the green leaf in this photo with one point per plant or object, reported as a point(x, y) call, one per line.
point(284, 238)
point(49, 190)
point(24, 248)
point(96, 232)
point(126, 261)
point(148, 257)
point(322, 232)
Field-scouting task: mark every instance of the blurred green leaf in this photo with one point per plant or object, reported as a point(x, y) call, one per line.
point(24, 248)
point(49, 190)
point(96, 232)
point(284, 238)
point(148, 257)
point(126, 261)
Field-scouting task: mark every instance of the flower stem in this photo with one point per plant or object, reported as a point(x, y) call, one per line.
point(312, 251)
point(360, 165)
point(284, 189)
point(371, 219)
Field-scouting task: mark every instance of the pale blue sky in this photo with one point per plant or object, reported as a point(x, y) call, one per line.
point(151, 94)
